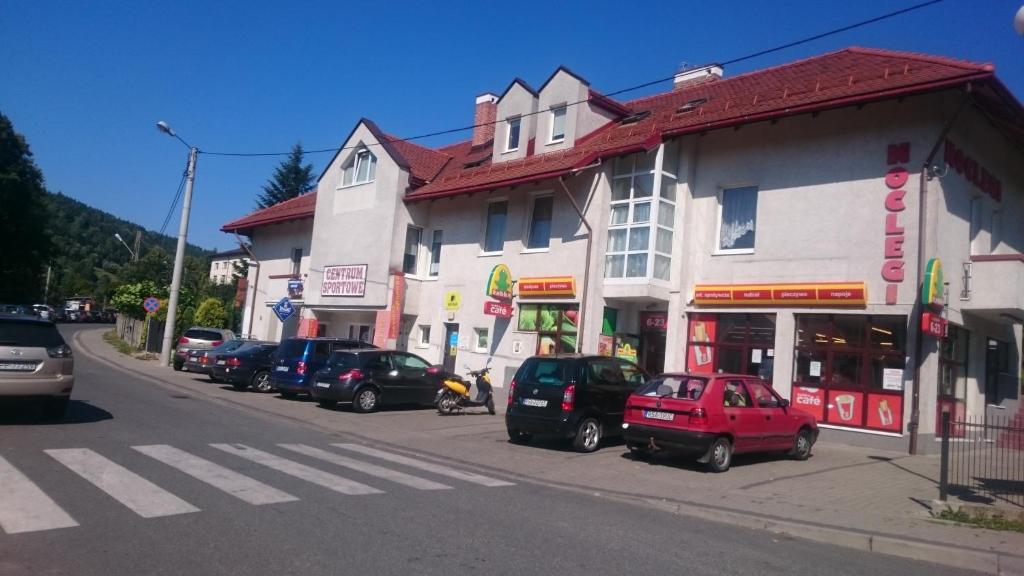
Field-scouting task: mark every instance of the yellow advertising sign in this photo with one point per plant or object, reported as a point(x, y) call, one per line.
point(452, 300)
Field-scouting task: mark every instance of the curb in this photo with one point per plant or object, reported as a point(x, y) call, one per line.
point(984, 561)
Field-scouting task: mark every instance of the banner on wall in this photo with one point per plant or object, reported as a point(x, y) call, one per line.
point(700, 354)
point(812, 294)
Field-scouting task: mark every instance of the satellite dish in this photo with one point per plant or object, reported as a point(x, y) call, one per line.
point(1018, 21)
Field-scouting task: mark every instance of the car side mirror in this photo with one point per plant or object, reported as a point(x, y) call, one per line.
point(783, 403)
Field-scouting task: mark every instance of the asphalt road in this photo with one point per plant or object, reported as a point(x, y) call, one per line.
point(142, 479)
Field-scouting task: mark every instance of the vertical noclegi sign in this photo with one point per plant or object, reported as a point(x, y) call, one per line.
point(895, 180)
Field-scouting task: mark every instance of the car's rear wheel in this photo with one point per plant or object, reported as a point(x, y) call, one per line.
point(802, 445)
point(55, 408)
point(177, 366)
point(366, 400)
point(588, 436)
point(720, 455)
point(212, 377)
point(519, 437)
point(261, 382)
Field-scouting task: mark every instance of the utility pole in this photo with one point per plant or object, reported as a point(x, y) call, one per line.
point(46, 291)
point(179, 257)
point(138, 245)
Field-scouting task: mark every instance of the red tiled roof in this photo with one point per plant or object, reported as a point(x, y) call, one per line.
point(295, 209)
point(837, 79)
point(423, 163)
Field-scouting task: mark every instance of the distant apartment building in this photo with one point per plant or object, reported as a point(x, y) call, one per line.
point(843, 226)
point(222, 265)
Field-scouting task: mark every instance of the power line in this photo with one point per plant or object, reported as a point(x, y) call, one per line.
point(177, 196)
point(764, 52)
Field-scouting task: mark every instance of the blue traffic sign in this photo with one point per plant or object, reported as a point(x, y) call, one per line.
point(284, 309)
point(151, 304)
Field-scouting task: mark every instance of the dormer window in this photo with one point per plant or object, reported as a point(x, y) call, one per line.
point(558, 124)
point(361, 169)
point(512, 142)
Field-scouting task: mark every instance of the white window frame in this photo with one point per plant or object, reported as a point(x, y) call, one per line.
point(424, 331)
point(431, 273)
point(655, 200)
point(719, 251)
point(565, 121)
point(508, 132)
point(416, 251)
point(483, 237)
point(357, 157)
point(529, 223)
point(476, 339)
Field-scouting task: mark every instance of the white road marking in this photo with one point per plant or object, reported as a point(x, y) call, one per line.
point(138, 494)
point(292, 468)
point(428, 466)
point(238, 485)
point(24, 507)
point(367, 468)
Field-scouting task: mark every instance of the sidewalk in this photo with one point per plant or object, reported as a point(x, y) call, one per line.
point(855, 497)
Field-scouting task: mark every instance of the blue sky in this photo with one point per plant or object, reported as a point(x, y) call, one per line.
point(85, 82)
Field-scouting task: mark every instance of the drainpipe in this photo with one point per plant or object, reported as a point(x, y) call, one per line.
point(586, 263)
point(915, 397)
point(255, 285)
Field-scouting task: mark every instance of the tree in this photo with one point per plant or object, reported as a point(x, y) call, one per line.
point(23, 220)
point(211, 314)
point(290, 179)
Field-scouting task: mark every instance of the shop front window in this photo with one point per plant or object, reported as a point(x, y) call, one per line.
point(732, 343)
point(554, 324)
point(849, 369)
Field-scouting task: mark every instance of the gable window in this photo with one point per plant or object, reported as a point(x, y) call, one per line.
point(513, 125)
point(737, 219)
point(494, 235)
point(558, 124)
point(539, 236)
point(362, 168)
point(642, 215)
point(435, 253)
point(296, 260)
point(412, 248)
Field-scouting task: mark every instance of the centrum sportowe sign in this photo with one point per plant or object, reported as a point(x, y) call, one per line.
point(820, 294)
point(346, 280)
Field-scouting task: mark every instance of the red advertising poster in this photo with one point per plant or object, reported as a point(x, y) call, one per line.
point(700, 354)
point(845, 408)
point(885, 412)
point(810, 400)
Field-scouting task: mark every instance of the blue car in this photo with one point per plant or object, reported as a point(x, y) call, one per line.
point(297, 360)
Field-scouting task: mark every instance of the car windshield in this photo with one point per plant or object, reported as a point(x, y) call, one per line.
point(29, 334)
point(291, 348)
point(685, 387)
point(545, 372)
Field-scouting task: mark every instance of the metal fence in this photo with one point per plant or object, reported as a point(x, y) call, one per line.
point(982, 460)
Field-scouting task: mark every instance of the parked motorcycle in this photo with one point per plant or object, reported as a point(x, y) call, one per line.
point(454, 393)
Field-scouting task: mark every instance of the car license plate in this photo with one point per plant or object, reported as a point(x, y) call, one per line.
point(221, 362)
point(323, 384)
point(534, 402)
point(281, 368)
point(656, 415)
point(18, 366)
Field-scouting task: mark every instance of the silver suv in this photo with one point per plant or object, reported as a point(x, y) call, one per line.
point(35, 363)
point(199, 338)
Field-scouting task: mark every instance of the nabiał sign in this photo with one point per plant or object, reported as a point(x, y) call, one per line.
point(347, 280)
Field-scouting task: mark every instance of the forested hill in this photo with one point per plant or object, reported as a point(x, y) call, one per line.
point(87, 258)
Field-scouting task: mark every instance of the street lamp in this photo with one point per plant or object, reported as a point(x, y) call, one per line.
point(130, 251)
point(179, 255)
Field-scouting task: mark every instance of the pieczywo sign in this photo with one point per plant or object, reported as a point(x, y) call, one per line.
point(547, 286)
point(499, 309)
point(826, 294)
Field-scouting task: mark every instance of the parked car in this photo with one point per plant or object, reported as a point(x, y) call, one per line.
point(35, 363)
point(202, 360)
point(249, 365)
point(73, 316)
point(713, 416)
point(298, 359)
point(44, 312)
point(371, 378)
point(582, 398)
point(199, 338)
point(15, 310)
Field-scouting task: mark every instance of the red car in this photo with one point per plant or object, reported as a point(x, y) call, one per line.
point(714, 416)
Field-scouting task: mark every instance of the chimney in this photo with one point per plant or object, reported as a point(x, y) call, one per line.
point(483, 119)
point(691, 76)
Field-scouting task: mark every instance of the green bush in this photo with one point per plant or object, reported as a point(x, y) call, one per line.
point(211, 313)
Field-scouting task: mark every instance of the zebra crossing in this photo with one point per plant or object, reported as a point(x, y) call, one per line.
point(26, 507)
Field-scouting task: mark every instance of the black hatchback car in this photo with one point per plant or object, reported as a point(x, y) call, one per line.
point(370, 378)
point(578, 397)
point(249, 365)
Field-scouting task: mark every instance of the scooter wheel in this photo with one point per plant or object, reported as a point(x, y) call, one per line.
point(490, 406)
point(447, 404)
